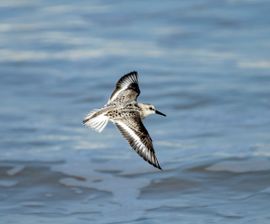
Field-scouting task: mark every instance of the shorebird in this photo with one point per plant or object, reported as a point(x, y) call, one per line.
point(127, 114)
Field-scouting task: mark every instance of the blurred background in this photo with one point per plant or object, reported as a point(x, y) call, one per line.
point(204, 63)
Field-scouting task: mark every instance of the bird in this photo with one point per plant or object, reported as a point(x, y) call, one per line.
point(123, 110)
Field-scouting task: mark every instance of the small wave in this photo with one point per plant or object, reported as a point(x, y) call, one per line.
point(241, 166)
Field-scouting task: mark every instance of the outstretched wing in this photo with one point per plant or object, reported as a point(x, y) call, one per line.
point(126, 90)
point(134, 131)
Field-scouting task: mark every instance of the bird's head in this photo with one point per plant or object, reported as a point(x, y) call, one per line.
point(148, 109)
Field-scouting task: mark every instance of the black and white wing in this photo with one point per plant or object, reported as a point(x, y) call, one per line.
point(134, 131)
point(126, 90)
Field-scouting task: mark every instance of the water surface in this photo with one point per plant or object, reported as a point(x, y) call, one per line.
point(205, 64)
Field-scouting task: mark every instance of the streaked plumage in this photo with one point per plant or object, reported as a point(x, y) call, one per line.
point(123, 110)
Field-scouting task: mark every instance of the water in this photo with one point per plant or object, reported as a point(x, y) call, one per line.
point(204, 63)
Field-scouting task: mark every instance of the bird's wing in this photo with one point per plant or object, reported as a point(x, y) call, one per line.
point(126, 89)
point(134, 131)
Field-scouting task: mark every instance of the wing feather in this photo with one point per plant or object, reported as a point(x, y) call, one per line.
point(134, 131)
point(126, 89)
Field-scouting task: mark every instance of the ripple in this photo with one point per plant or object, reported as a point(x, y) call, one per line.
point(241, 166)
point(167, 188)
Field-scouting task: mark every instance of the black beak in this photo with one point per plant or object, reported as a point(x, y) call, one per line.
point(158, 112)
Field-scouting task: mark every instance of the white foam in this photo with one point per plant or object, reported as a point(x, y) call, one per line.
point(15, 170)
point(258, 64)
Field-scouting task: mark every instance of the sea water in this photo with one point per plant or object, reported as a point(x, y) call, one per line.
point(206, 64)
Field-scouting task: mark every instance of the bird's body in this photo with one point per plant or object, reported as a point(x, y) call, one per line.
point(127, 114)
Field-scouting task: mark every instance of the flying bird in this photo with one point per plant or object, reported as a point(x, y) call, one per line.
point(127, 114)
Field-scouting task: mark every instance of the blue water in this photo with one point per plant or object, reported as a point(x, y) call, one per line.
point(204, 63)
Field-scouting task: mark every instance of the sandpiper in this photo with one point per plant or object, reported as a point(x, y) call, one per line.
point(127, 114)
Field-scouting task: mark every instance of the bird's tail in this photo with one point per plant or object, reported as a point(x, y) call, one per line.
point(96, 119)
